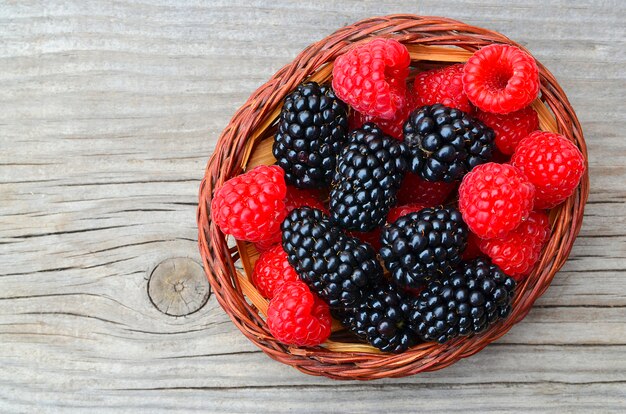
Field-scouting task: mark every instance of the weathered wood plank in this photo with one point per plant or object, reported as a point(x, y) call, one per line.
point(109, 112)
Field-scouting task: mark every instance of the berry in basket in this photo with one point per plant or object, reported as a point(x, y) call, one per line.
point(423, 245)
point(369, 171)
point(446, 143)
point(382, 319)
point(372, 78)
point(511, 128)
point(494, 199)
point(518, 251)
point(442, 86)
point(501, 79)
point(462, 302)
point(295, 316)
point(552, 163)
point(272, 270)
point(312, 128)
point(339, 268)
point(251, 206)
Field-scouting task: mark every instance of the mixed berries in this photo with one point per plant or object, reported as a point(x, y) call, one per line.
point(406, 208)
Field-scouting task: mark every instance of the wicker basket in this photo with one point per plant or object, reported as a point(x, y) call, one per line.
point(247, 141)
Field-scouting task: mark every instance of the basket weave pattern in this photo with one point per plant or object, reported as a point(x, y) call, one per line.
point(246, 142)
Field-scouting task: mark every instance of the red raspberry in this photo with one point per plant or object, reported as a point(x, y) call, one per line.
point(494, 199)
point(372, 77)
point(296, 316)
point(501, 79)
point(392, 127)
point(250, 206)
point(552, 163)
point(397, 212)
point(472, 251)
point(510, 128)
point(294, 198)
point(271, 270)
point(444, 86)
point(414, 189)
point(518, 251)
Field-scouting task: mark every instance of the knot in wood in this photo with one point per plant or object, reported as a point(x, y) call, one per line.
point(178, 287)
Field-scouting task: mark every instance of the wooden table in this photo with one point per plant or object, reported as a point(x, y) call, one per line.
point(108, 114)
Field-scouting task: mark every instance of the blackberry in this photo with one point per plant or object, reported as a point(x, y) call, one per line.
point(446, 143)
point(337, 267)
point(382, 319)
point(312, 128)
point(370, 169)
point(423, 245)
point(467, 301)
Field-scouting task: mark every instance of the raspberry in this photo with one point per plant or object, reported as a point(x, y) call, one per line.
point(510, 128)
point(372, 77)
point(295, 316)
point(294, 198)
point(518, 251)
point(397, 212)
point(501, 79)
point(271, 270)
point(414, 189)
point(250, 206)
point(494, 199)
point(392, 127)
point(444, 86)
point(552, 163)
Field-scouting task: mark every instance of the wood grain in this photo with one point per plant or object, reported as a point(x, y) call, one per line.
point(108, 113)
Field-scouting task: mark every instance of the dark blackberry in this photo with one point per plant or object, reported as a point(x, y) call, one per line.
point(446, 143)
point(370, 169)
point(423, 245)
point(466, 301)
point(382, 319)
point(312, 128)
point(337, 267)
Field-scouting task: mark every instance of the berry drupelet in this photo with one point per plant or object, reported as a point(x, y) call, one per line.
point(337, 267)
point(423, 245)
point(466, 301)
point(446, 143)
point(312, 128)
point(369, 172)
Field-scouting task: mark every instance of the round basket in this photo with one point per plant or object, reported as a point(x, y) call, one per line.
point(247, 141)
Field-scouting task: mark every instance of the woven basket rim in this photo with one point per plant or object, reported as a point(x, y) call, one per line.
point(256, 116)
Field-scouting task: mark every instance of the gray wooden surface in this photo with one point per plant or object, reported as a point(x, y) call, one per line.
point(108, 113)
